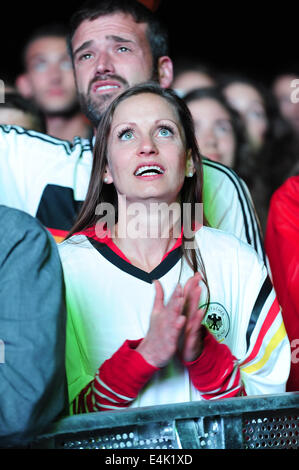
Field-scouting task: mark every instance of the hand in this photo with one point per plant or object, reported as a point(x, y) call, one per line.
point(192, 340)
point(167, 321)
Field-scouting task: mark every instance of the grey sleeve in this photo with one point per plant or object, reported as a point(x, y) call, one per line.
point(33, 389)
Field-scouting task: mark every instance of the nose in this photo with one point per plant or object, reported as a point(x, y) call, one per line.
point(105, 63)
point(207, 140)
point(147, 147)
point(55, 74)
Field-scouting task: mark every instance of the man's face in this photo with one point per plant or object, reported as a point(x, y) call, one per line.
point(111, 53)
point(50, 75)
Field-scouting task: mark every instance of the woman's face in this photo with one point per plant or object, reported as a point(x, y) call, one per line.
point(146, 149)
point(248, 102)
point(214, 131)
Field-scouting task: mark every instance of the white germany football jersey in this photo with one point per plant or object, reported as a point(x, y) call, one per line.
point(110, 301)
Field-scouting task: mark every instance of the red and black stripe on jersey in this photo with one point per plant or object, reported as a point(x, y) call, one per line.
point(58, 210)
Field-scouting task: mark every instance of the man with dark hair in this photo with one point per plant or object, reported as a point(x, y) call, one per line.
point(49, 81)
point(114, 44)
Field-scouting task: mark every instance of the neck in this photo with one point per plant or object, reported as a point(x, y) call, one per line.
point(66, 128)
point(146, 232)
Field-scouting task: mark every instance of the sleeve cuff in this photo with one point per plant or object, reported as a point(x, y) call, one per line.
point(127, 372)
point(210, 369)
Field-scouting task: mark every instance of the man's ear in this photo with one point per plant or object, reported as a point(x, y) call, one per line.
point(165, 71)
point(23, 85)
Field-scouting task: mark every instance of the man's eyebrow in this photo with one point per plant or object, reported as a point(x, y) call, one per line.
point(83, 46)
point(112, 37)
point(118, 38)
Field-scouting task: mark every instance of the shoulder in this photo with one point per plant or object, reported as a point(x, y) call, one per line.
point(223, 244)
point(288, 192)
point(218, 170)
point(16, 224)
point(26, 243)
point(20, 135)
point(71, 248)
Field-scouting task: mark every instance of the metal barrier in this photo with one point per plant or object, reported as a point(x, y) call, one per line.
point(260, 422)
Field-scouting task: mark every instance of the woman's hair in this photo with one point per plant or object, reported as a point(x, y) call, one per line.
point(274, 162)
point(279, 151)
point(242, 151)
point(98, 192)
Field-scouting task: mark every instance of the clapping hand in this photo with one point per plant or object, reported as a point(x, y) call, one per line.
point(180, 317)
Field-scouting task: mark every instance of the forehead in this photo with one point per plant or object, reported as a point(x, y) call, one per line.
point(283, 84)
point(145, 107)
point(46, 46)
point(104, 27)
point(243, 91)
point(208, 107)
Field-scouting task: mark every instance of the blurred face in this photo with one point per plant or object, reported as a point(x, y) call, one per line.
point(111, 53)
point(248, 102)
point(282, 90)
point(190, 80)
point(213, 129)
point(50, 75)
point(146, 150)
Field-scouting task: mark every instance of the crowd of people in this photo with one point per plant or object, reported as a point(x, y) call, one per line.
point(137, 191)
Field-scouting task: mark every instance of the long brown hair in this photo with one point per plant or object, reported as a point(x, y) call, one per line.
point(98, 192)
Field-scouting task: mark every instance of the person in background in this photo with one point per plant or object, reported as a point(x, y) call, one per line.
point(188, 316)
point(19, 111)
point(247, 99)
point(282, 247)
point(32, 330)
point(48, 80)
point(273, 144)
point(219, 129)
point(285, 89)
point(114, 44)
point(189, 75)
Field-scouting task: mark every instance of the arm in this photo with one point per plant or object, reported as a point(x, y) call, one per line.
point(282, 232)
point(213, 370)
point(120, 378)
point(117, 382)
point(228, 205)
point(265, 366)
point(32, 328)
point(258, 360)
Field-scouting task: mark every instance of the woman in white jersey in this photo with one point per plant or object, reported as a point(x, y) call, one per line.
point(161, 308)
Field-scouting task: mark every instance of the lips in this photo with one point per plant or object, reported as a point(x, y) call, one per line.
point(104, 86)
point(55, 92)
point(216, 157)
point(147, 170)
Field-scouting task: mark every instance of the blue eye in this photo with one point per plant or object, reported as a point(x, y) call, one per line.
point(126, 134)
point(123, 49)
point(165, 131)
point(83, 57)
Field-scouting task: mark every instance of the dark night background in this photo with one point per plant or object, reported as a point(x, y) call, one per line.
point(256, 41)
